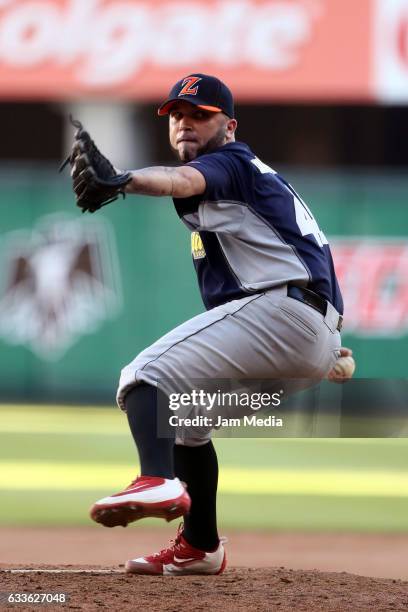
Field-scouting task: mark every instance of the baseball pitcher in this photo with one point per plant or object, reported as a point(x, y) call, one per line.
point(273, 308)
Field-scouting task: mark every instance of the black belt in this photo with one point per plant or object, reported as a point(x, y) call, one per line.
point(309, 297)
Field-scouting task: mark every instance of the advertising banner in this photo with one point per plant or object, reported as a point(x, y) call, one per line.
point(264, 49)
point(81, 296)
point(373, 275)
point(390, 50)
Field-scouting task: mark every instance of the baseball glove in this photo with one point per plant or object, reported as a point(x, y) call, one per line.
point(94, 180)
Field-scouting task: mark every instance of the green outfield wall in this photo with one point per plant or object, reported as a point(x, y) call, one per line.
point(81, 295)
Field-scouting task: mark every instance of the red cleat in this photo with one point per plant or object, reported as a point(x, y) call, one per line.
point(145, 496)
point(180, 559)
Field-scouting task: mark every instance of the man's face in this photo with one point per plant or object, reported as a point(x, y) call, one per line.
point(194, 131)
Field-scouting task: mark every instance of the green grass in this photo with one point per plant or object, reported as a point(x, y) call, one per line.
point(251, 512)
point(55, 461)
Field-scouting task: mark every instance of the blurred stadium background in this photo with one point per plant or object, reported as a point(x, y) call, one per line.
point(321, 95)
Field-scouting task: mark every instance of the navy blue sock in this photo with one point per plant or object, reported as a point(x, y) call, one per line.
point(197, 466)
point(155, 453)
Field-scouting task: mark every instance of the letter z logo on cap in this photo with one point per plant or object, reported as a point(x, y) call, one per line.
point(187, 86)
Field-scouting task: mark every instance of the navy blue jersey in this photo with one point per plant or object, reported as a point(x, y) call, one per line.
point(252, 231)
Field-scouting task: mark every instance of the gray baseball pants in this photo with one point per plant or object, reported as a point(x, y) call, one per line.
point(263, 336)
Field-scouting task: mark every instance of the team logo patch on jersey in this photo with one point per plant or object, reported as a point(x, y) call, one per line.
point(197, 247)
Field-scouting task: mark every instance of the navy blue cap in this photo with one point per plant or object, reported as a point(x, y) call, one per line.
point(206, 92)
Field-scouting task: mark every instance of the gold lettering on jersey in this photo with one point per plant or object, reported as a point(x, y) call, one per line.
point(197, 247)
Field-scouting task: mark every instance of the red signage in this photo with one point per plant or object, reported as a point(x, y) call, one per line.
point(373, 276)
point(264, 49)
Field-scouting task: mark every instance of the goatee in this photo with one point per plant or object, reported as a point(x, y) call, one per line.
point(217, 141)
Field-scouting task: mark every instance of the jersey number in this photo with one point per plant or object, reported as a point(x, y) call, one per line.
point(306, 221)
point(304, 218)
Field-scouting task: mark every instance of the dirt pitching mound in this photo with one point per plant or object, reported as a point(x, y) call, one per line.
point(238, 589)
